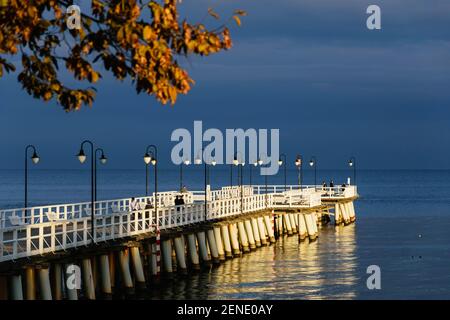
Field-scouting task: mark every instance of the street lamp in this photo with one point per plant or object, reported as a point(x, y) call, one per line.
point(313, 163)
point(240, 165)
point(282, 161)
point(299, 165)
point(151, 156)
point(35, 159)
point(255, 164)
point(103, 160)
point(82, 158)
point(185, 162)
point(352, 163)
point(213, 163)
point(198, 161)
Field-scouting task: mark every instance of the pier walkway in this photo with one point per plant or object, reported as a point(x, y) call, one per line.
point(51, 252)
point(28, 232)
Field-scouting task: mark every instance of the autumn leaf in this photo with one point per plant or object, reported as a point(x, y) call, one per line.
point(238, 20)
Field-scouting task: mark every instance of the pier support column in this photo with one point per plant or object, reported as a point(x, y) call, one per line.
point(30, 283)
point(138, 268)
point(226, 241)
point(250, 236)
point(287, 222)
point(256, 234)
point(345, 214)
point(212, 244)
point(57, 282)
point(302, 231)
point(293, 222)
point(105, 276)
point(166, 250)
point(180, 251)
point(193, 254)
point(112, 270)
point(219, 243)
point(44, 283)
point(243, 237)
point(153, 260)
point(269, 228)
point(310, 226)
point(88, 279)
point(127, 281)
point(70, 272)
point(262, 231)
point(337, 214)
point(16, 292)
point(234, 239)
point(203, 250)
point(351, 210)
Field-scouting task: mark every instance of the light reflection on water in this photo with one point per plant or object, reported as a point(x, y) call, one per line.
point(324, 269)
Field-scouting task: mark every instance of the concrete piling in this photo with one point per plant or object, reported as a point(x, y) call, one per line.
point(192, 247)
point(57, 282)
point(71, 286)
point(212, 244)
point(250, 236)
point(269, 228)
point(106, 287)
point(44, 283)
point(16, 292)
point(310, 226)
point(293, 223)
point(225, 233)
point(127, 281)
point(256, 233)
point(30, 283)
point(180, 251)
point(219, 243)
point(262, 231)
point(88, 279)
point(302, 232)
point(234, 239)
point(287, 222)
point(243, 237)
point(202, 248)
point(166, 250)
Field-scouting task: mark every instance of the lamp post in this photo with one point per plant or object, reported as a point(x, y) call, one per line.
point(185, 162)
point(35, 159)
point(82, 158)
point(313, 162)
point(255, 164)
point(282, 161)
point(213, 163)
point(299, 165)
point(103, 160)
point(151, 156)
point(240, 165)
point(198, 161)
point(352, 163)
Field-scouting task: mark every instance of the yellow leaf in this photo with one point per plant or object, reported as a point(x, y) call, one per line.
point(148, 33)
point(238, 21)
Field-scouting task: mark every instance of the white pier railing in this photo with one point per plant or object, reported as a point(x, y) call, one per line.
point(49, 229)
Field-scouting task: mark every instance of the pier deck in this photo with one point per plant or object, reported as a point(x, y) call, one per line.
point(38, 231)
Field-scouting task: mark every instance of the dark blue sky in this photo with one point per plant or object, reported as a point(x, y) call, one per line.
point(310, 68)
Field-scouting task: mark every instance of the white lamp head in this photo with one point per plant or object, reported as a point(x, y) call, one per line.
point(81, 156)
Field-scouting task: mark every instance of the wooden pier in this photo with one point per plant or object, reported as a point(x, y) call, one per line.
point(50, 252)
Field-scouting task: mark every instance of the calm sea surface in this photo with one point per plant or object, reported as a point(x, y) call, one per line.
point(403, 226)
